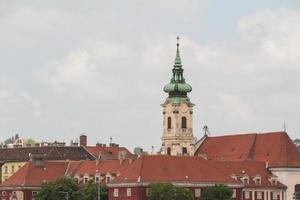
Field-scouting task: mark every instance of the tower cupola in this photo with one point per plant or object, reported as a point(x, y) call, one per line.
point(177, 88)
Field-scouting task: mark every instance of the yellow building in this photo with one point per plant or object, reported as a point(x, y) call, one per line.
point(9, 168)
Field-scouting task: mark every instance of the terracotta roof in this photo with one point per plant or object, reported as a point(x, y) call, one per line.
point(173, 169)
point(50, 152)
point(251, 169)
point(108, 152)
point(34, 176)
point(103, 167)
point(276, 148)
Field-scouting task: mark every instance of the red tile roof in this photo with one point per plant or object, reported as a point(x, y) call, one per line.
point(252, 169)
point(276, 148)
point(110, 152)
point(34, 176)
point(103, 167)
point(173, 169)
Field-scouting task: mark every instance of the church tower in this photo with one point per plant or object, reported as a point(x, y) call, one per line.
point(178, 138)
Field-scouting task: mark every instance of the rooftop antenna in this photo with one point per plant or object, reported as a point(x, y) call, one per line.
point(152, 147)
point(284, 126)
point(110, 140)
point(206, 130)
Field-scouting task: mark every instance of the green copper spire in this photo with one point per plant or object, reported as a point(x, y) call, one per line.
point(177, 58)
point(177, 88)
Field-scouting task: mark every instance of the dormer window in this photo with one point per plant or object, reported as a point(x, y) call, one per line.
point(245, 180)
point(257, 180)
point(86, 179)
point(273, 180)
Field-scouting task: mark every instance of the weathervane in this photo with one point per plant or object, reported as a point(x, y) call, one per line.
point(177, 38)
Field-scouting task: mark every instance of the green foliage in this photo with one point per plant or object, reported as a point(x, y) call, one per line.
point(31, 141)
point(167, 191)
point(217, 192)
point(59, 190)
point(90, 192)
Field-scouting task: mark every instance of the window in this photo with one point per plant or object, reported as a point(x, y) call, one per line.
point(276, 195)
point(234, 193)
point(34, 193)
point(19, 167)
point(86, 179)
point(259, 195)
point(3, 193)
point(6, 170)
point(169, 151)
point(247, 194)
point(297, 192)
point(257, 181)
point(12, 169)
point(128, 192)
point(116, 192)
point(197, 192)
point(184, 151)
point(107, 179)
point(183, 122)
point(169, 123)
point(97, 179)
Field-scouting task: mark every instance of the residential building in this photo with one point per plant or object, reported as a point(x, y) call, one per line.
point(12, 159)
point(276, 149)
point(194, 173)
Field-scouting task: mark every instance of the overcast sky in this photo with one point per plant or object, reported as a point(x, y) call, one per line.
point(98, 67)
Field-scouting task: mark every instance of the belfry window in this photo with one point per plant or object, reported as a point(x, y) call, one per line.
point(169, 123)
point(183, 122)
point(169, 151)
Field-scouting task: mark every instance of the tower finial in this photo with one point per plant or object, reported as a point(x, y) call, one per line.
point(177, 58)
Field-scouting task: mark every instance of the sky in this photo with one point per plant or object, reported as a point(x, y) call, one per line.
point(98, 67)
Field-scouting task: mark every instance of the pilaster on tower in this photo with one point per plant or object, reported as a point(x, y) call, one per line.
point(178, 138)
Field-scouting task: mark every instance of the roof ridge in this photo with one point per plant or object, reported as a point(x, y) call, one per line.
point(26, 173)
point(252, 148)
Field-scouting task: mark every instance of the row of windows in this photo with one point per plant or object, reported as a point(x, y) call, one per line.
point(259, 195)
point(12, 169)
point(183, 122)
point(128, 192)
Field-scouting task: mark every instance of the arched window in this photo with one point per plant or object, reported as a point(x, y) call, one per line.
point(297, 192)
point(169, 123)
point(169, 151)
point(183, 122)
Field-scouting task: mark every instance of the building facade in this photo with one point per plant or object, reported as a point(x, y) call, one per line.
point(178, 138)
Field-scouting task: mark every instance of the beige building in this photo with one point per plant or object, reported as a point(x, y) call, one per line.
point(178, 138)
point(10, 168)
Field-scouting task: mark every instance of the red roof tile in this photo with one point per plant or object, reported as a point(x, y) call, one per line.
point(109, 152)
point(252, 169)
point(34, 176)
point(173, 169)
point(276, 148)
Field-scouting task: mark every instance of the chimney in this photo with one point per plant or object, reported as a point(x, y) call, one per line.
point(37, 159)
point(267, 165)
point(83, 140)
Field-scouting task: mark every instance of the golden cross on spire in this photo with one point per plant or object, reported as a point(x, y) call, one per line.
point(177, 38)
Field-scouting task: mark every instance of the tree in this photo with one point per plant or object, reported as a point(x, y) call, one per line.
point(59, 190)
point(90, 192)
point(167, 191)
point(217, 192)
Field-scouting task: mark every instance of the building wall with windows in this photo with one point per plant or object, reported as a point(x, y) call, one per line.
point(141, 193)
point(290, 177)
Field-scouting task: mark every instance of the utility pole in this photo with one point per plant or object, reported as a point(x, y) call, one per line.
point(99, 190)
